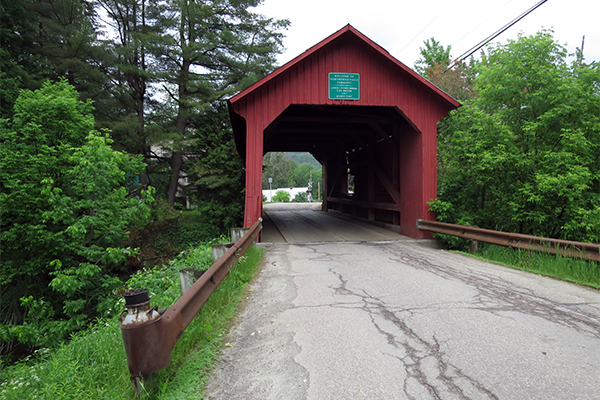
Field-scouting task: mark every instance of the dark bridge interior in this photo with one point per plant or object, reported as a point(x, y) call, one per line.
point(359, 148)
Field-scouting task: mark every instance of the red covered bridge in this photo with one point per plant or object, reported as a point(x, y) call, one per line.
point(367, 118)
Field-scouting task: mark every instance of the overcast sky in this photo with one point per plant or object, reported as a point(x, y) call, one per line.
point(401, 26)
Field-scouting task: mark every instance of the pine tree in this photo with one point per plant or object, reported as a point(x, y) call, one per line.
point(213, 49)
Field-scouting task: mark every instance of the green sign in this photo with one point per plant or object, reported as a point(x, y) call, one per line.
point(344, 86)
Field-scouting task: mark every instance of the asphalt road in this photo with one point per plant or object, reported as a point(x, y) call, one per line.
point(397, 320)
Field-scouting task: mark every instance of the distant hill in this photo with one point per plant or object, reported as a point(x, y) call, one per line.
point(303, 158)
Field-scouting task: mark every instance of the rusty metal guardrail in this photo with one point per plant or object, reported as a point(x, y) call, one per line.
point(149, 337)
point(587, 251)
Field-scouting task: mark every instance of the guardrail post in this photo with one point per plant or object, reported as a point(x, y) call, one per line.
point(187, 277)
point(219, 249)
point(473, 246)
point(238, 233)
point(142, 333)
point(587, 251)
point(149, 337)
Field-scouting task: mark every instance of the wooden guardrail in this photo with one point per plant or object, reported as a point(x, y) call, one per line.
point(149, 337)
point(588, 251)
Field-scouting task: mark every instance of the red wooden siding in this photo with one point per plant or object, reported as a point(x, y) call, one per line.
point(384, 82)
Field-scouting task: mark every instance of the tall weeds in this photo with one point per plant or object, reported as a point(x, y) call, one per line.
point(93, 364)
point(557, 266)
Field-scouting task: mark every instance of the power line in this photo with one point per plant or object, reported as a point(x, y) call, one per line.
point(494, 35)
point(417, 35)
point(482, 22)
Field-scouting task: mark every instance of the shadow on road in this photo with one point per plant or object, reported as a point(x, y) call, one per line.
point(306, 223)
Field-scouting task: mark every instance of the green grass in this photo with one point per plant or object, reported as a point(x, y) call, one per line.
point(197, 352)
point(93, 364)
point(560, 267)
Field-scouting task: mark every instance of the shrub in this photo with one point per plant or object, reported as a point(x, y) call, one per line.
point(67, 201)
point(301, 197)
point(281, 197)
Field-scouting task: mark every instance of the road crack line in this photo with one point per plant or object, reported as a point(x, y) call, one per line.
point(416, 350)
point(500, 297)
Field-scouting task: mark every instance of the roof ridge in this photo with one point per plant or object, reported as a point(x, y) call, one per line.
point(329, 39)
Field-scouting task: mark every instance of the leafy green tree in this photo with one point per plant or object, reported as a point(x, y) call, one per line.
point(302, 175)
point(195, 53)
point(303, 158)
point(317, 175)
point(280, 168)
point(435, 65)
point(458, 81)
point(67, 200)
point(317, 189)
point(431, 55)
point(523, 156)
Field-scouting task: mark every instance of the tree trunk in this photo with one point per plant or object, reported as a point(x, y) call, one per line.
point(176, 163)
point(180, 124)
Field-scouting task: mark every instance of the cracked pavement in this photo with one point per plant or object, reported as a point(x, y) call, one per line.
point(397, 320)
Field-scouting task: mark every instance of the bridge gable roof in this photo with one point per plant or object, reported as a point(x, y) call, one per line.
point(347, 33)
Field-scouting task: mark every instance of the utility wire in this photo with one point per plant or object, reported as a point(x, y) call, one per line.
point(417, 35)
point(493, 35)
point(481, 23)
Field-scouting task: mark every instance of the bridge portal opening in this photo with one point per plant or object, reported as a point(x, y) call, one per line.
point(297, 174)
point(362, 150)
point(367, 118)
